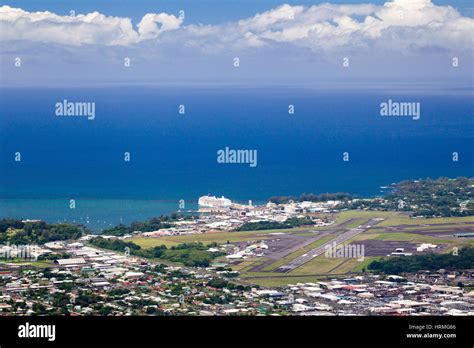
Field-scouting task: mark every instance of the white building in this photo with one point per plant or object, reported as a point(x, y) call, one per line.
point(71, 262)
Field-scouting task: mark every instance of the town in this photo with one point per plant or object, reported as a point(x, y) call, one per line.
point(97, 282)
point(308, 256)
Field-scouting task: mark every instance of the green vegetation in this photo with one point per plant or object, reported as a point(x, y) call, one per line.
point(412, 237)
point(86, 298)
point(25, 262)
point(189, 254)
point(273, 225)
point(403, 219)
point(221, 283)
point(54, 256)
point(318, 265)
point(310, 197)
point(36, 232)
point(442, 197)
point(48, 273)
point(115, 244)
point(430, 262)
point(192, 254)
point(118, 292)
point(154, 224)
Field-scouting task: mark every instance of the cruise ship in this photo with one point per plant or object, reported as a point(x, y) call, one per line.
point(214, 202)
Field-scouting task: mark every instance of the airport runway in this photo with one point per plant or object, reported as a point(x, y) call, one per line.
point(283, 244)
point(341, 238)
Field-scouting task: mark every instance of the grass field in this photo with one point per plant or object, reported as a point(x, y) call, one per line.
point(318, 265)
point(279, 279)
point(366, 214)
point(402, 237)
point(243, 265)
point(39, 264)
point(411, 237)
point(440, 228)
point(346, 266)
point(207, 238)
point(398, 218)
point(361, 266)
point(405, 220)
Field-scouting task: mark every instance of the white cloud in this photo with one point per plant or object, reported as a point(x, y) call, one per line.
point(153, 25)
point(398, 24)
point(334, 26)
point(278, 16)
point(93, 28)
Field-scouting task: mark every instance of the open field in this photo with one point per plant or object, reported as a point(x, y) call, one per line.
point(402, 236)
point(411, 237)
point(146, 242)
point(318, 265)
point(283, 279)
point(393, 218)
point(433, 228)
point(39, 264)
point(207, 238)
point(405, 220)
point(241, 266)
point(361, 266)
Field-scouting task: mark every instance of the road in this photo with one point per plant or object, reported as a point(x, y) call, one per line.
point(339, 239)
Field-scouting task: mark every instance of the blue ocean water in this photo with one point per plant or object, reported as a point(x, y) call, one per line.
point(173, 156)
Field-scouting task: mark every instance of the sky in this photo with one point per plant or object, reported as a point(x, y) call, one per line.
point(197, 11)
point(407, 42)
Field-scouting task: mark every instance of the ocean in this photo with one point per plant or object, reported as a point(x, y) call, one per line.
point(173, 156)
